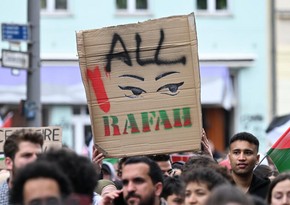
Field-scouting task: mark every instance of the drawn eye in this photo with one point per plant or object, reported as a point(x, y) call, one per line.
point(170, 89)
point(136, 92)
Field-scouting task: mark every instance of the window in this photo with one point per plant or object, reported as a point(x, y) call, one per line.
point(54, 6)
point(132, 6)
point(212, 6)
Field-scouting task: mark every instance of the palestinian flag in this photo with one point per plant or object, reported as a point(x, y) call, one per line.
point(280, 152)
point(7, 122)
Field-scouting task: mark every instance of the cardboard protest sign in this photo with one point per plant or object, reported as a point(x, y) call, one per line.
point(52, 138)
point(142, 85)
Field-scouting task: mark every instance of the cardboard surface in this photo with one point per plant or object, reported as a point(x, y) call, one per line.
point(142, 85)
point(52, 138)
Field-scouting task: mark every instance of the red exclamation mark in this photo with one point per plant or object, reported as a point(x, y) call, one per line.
point(99, 88)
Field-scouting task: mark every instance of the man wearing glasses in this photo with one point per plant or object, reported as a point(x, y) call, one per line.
point(164, 162)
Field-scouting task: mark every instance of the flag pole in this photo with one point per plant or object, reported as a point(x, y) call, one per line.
point(260, 161)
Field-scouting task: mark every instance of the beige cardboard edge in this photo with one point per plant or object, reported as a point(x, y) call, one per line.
point(192, 28)
point(83, 62)
point(100, 149)
point(132, 24)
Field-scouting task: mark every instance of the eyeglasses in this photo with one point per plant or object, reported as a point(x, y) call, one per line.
point(169, 172)
point(46, 201)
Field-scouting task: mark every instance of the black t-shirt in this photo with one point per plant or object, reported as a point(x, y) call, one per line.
point(259, 186)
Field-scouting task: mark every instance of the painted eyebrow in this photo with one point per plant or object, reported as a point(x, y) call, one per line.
point(165, 74)
point(132, 76)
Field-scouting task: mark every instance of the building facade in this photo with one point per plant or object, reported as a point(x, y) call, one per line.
point(282, 18)
point(234, 51)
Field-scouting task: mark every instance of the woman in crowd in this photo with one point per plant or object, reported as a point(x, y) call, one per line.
point(279, 190)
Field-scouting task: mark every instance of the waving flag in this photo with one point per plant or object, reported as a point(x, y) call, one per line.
point(7, 122)
point(280, 152)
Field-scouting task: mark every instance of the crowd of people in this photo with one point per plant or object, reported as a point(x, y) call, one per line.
point(62, 177)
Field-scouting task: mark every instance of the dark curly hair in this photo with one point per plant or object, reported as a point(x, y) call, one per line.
point(79, 169)
point(24, 135)
point(204, 175)
point(35, 170)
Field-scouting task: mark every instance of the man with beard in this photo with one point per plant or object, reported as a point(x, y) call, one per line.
point(142, 182)
point(244, 157)
point(20, 148)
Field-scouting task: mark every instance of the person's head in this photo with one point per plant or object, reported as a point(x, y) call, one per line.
point(279, 190)
point(197, 161)
point(40, 181)
point(243, 154)
point(105, 186)
point(199, 184)
point(246, 136)
point(21, 148)
point(163, 161)
point(222, 171)
point(265, 171)
point(79, 170)
point(173, 190)
point(142, 181)
point(177, 167)
point(228, 195)
point(108, 171)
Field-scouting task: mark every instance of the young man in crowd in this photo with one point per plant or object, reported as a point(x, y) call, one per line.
point(244, 157)
point(173, 190)
point(164, 162)
point(79, 170)
point(20, 148)
point(40, 182)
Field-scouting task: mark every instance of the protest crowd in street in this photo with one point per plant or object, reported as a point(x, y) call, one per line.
point(62, 177)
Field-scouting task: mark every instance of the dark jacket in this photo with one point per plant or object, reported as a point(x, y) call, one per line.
point(259, 186)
